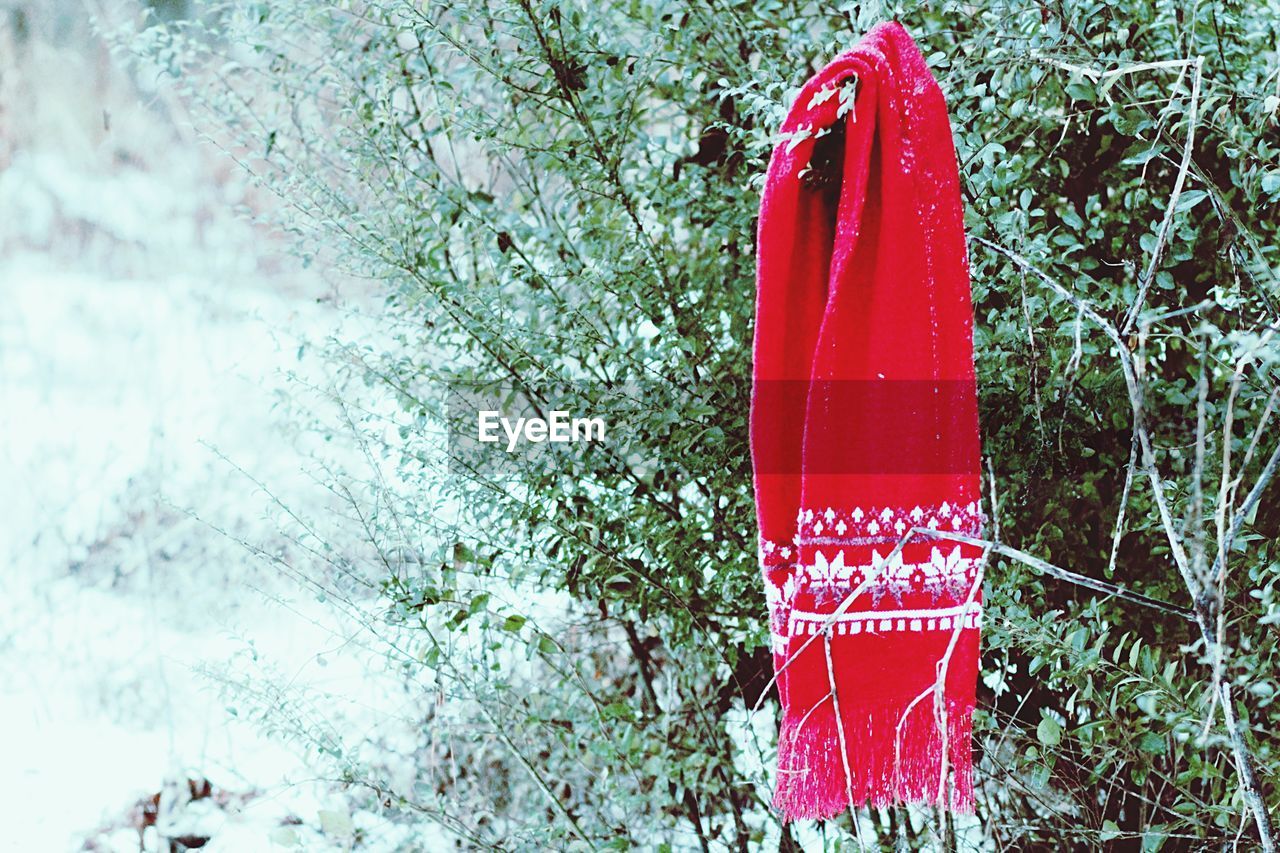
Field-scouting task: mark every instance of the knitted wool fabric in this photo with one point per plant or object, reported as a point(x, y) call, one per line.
point(864, 427)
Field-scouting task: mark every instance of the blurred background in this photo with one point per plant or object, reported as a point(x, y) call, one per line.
point(146, 329)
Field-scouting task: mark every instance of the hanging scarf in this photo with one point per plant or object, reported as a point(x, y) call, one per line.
point(864, 428)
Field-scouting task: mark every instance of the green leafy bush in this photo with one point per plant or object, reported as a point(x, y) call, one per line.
point(560, 195)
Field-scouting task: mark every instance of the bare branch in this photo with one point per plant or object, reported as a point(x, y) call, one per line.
point(1162, 238)
point(1124, 502)
point(844, 749)
point(1060, 573)
point(1250, 501)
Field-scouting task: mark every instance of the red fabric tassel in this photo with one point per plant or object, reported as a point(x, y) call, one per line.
point(864, 433)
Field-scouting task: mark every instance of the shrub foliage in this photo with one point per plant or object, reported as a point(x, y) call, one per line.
point(562, 195)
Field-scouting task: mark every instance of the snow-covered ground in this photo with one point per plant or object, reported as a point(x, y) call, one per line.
point(145, 333)
point(113, 396)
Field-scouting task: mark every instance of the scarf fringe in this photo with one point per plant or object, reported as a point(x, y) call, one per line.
point(888, 765)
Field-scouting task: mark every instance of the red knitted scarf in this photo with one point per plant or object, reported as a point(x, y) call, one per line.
point(864, 434)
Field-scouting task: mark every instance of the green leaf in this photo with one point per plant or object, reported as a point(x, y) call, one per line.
point(1040, 776)
point(1152, 742)
point(1049, 732)
point(1190, 199)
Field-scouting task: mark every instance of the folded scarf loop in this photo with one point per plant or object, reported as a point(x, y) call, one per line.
point(864, 436)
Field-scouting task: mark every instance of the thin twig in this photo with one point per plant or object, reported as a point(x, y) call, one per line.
point(830, 620)
point(1166, 225)
point(1061, 573)
point(1096, 75)
point(1124, 502)
point(844, 749)
point(1250, 501)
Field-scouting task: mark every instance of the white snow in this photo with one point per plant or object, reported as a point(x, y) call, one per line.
point(144, 337)
point(113, 396)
